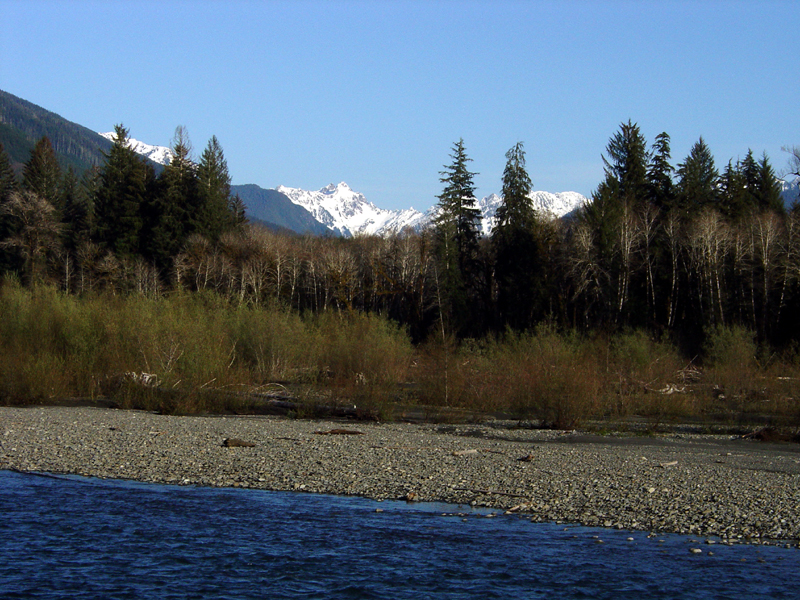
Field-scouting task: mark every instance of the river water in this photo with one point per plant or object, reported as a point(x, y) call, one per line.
point(76, 537)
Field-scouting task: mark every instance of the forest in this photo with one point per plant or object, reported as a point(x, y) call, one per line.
point(674, 293)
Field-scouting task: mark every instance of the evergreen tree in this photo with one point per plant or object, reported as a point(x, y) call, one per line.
point(517, 264)
point(214, 183)
point(123, 187)
point(659, 174)
point(42, 174)
point(173, 213)
point(768, 190)
point(627, 164)
point(457, 242)
point(735, 198)
point(8, 225)
point(77, 213)
point(8, 182)
point(698, 178)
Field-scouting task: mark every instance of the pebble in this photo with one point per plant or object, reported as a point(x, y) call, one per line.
point(616, 481)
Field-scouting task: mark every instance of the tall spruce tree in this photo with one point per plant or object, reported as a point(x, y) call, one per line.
point(516, 254)
point(457, 241)
point(214, 187)
point(697, 180)
point(124, 184)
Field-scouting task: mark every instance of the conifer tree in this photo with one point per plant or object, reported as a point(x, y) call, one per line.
point(627, 163)
point(457, 241)
point(768, 190)
point(698, 177)
point(173, 213)
point(124, 183)
point(42, 173)
point(517, 264)
point(77, 211)
point(8, 182)
point(8, 226)
point(735, 200)
point(659, 174)
point(214, 183)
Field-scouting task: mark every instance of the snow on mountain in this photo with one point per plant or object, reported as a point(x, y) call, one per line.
point(158, 154)
point(349, 213)
point(553, 205)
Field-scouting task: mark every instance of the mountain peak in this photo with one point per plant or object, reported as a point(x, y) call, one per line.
point(158, 154)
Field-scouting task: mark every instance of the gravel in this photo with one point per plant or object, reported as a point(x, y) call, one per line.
point(713, 486)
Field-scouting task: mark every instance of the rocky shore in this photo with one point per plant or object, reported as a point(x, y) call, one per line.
point(735, 489)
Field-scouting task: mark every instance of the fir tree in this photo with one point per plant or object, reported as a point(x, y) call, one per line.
point(517, 264)
point(698, 177)
point(768, 190)
point(124, 183)
point(8, 182)
point(735, 200)
point(214, 183)
point(77, 211)
point(659, 174)
point(42, 174)
point(173, 213)
point(627, 163)
point(8, 225)
point(457, 240)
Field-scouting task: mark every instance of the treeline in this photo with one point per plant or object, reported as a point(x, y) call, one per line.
point(120, 225)
point(670, 250)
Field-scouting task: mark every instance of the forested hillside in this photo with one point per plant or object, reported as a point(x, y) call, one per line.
point(22, 124)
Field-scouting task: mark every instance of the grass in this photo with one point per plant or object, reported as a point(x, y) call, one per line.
point(201, 354)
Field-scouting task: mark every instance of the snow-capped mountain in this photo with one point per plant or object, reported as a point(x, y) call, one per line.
point(546, 203)
point(349, 213)
point(158, 154)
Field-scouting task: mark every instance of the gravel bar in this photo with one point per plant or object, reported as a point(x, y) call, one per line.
point(715, 486)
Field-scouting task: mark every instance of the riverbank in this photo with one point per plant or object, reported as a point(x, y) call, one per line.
point(739, 490)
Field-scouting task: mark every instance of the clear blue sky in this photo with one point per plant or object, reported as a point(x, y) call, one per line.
point(375, 93)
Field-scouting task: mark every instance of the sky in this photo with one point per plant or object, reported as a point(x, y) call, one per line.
point(304, 93)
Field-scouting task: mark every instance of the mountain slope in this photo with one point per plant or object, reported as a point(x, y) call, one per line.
point(349, 213)
point(271, 206)
point(22, 124)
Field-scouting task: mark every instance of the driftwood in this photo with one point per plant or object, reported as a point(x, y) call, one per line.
point(284, 404)
point(237, 443)
point(340, 432)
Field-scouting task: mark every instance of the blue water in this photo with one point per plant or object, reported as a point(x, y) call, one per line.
point(73, 537)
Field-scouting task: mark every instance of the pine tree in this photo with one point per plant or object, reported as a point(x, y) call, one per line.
point(698, 177)
point(42, 174)
point(516, 255)
point(123, 187)
point(214, 183)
